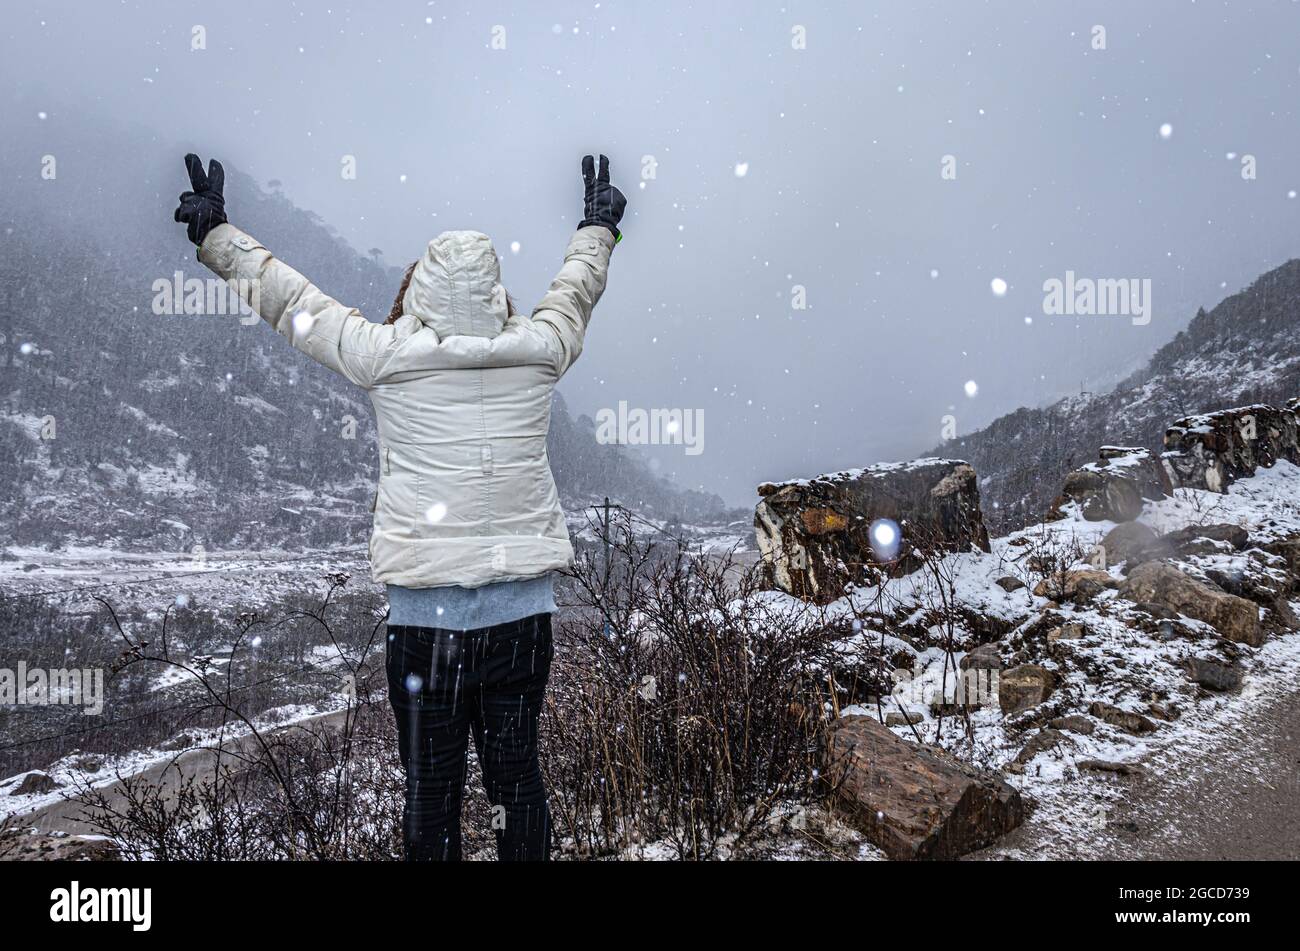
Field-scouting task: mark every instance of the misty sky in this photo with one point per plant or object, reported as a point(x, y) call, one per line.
point(1060, 163)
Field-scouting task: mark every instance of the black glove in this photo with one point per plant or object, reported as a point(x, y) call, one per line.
point(602, 203)
point(205, 207)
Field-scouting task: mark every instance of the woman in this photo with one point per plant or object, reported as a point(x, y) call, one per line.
point(468, 525)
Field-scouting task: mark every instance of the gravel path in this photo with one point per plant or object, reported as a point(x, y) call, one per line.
point(1235, 797)
point(1239, 799)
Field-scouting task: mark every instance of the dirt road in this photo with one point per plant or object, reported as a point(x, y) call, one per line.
point(1239, 799)
point(1236, 796)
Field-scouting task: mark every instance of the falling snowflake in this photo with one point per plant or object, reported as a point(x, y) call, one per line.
point(971, 388)
point(998, 286)
point(885, 537)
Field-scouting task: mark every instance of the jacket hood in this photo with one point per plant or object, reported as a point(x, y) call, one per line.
point(456, 288)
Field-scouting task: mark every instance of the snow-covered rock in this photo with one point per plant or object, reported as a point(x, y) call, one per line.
point(818, 536)
point(1213, 450)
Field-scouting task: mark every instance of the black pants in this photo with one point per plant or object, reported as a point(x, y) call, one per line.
point(445, 685)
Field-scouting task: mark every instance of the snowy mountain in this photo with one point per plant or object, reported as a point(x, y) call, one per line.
point(128, 423)
point(1246, 350)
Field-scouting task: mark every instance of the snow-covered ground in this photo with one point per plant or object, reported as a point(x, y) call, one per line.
point(1137, 667)
point(1116, 662)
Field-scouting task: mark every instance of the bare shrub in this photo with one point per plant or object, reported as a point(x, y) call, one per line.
point(331, 790)
point(317, 791)
point(687, 709)
point(679, 709)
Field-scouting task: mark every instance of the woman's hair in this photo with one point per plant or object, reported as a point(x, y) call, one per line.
point(406, 282)
point(401, 293)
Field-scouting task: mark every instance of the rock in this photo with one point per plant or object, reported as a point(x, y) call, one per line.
point(31, 846)
point(1234, 618)
point(814, 535)
point(1075, 723)
point(1023, 687)
point(1077, 583)
point(1201, 539)
point(1114, 488)
point(1286, 615)
point(916, 802)
point(1131, 542)
point(34, 784)
point(1040, 742)
point(1127, 721)
point(1212, 675)
point(984, 657)
point(1164, 711)
point(1213, 450)
point(1250, 580)
point(1008, 583)
point(1068, 632)
point(1289, 550)
point(906, 718)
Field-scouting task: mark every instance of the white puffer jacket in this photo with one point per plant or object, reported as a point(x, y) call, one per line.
point(462, 399)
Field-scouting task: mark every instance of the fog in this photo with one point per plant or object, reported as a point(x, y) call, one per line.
point(796, 266)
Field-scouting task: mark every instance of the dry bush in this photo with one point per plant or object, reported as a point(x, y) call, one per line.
point(332, 790)
point(679, 711)
point(686, 708)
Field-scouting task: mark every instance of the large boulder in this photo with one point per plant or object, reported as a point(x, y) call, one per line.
point(1114, 488)
point(1130, 542)
point(1076, 584)
point(916, 802)
point(1289, 550)
point(1134, 542)
point(35, 783)
point(1023, 687)
point(1213, 450)
point(1161, 584)
point(984, 657)
point(815, 535)
point(1207, 539)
